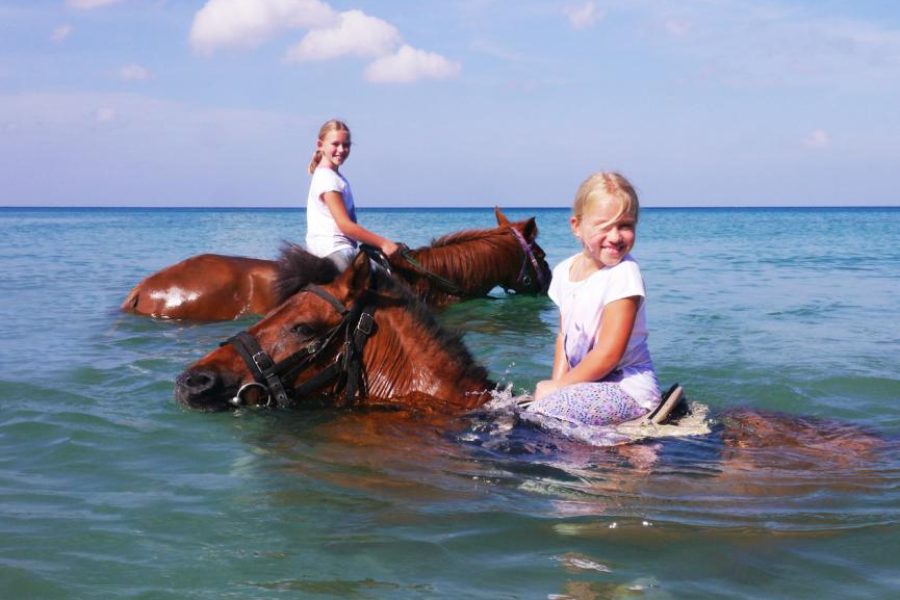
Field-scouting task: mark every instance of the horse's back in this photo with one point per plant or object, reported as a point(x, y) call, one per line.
point(776, 438)
point(205, 287)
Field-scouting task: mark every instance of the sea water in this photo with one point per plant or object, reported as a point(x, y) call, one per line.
point(109, 489)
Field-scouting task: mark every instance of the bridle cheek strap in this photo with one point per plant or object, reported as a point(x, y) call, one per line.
point(529, 257)
point(260, 364)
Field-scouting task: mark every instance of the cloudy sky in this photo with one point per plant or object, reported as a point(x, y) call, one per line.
point(452, 102)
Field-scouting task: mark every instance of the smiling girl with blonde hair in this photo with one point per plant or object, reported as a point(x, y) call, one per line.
point(602, 371)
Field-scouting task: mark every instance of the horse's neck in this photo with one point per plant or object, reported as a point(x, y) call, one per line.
point(474, 265)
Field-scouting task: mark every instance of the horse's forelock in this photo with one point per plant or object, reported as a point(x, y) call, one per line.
point(298, 268)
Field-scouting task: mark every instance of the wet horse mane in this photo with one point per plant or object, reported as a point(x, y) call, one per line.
point(298, 268)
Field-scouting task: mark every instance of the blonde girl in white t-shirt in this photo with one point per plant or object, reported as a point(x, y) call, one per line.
point(331, 227)
point(602, 371)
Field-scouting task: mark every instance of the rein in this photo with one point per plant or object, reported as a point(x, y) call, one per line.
point(346, 371)
point(443, 284)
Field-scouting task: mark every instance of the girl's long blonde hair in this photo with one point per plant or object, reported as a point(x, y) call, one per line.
point(327, 127)
point(607, 184)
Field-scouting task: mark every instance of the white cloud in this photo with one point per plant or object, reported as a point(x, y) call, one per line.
point(817, 138)
point(409, 64)
point(242, 23)
point(134, 72)
point(584, 15)
point(356, 34)
point(61, 33)
point(89, 4)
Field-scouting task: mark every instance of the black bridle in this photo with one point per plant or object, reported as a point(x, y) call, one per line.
point(345, 372)
point(529, 249)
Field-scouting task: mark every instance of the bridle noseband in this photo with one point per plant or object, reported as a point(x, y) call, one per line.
point(345, 372)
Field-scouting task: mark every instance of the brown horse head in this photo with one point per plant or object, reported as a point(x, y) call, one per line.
point(534, 275)
point(360, 340)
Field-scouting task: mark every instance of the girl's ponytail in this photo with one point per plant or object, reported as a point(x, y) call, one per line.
point(317, 156)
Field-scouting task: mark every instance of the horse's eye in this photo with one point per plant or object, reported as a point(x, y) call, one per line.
point(303, 329)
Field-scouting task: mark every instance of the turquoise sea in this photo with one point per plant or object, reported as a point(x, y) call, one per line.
point(108, 489)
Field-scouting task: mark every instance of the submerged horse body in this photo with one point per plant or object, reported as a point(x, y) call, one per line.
point(468, 264)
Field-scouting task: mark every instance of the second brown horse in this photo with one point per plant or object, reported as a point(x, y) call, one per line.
point(459, 266)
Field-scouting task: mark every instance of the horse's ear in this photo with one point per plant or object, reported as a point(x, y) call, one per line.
point(501, 218)
point(530, 229)
point(356, 278)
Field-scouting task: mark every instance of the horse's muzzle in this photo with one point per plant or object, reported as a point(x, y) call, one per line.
point(203, 389)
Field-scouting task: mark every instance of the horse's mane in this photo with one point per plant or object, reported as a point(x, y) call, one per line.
point(474, 251)
point(451, 341)
point(298, 268)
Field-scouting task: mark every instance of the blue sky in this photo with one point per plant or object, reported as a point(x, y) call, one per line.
point(451, 103)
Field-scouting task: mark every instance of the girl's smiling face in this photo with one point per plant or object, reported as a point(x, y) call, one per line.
point(605, 234)
point(335, 149)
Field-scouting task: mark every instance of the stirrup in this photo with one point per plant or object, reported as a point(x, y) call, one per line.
point(671, 399)
point(659, 415)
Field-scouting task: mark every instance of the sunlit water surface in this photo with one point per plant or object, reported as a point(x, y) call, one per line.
point(108, 489)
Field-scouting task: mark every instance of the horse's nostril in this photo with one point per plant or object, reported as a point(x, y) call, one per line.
point(196, 381)
point(199, 388)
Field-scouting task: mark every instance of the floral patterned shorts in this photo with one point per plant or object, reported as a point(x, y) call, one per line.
point(591, 403)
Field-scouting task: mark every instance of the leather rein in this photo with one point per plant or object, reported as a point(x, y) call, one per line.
point(345, 372)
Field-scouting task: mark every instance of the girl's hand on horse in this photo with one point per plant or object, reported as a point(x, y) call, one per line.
point(389, 248)
point(545, 388)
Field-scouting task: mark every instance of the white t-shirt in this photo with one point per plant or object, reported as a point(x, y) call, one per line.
point(581, 306)
point(322, 233)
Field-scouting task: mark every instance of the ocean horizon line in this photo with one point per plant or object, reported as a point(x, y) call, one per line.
point(449, 208)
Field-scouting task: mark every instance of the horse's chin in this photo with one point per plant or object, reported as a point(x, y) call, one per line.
point(206, 390)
